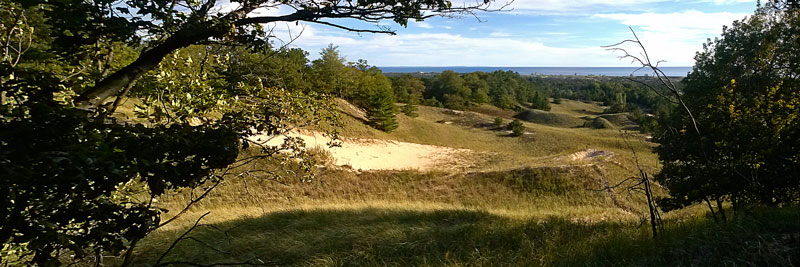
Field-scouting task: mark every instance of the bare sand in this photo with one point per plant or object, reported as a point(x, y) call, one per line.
point(376, 154)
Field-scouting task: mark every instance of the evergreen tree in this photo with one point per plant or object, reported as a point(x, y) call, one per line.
point(516, 127)
point(410, 110)
point(331, 71)
point(381, 110)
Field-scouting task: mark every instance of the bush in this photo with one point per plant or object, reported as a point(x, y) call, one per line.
point(432, 102)
point(410, 110)
point(549, 118)
point(600, 123)
point(498, 121)
point(516, 127)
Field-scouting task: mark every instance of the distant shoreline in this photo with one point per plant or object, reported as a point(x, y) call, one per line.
point(546, 71)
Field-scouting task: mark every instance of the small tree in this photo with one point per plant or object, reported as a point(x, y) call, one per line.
point(381, 111)
point(410, 110)
point(516, 127)
point(498, 121)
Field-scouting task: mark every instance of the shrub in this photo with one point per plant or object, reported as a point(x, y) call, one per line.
point(410, 110)
point(498, 121)
point(516, 127)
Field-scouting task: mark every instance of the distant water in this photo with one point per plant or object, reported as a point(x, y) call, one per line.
point(599, 71)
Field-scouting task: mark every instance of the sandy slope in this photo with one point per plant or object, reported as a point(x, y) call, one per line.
point(376, 154)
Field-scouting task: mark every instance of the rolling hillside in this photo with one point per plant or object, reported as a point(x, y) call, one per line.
point(489, 199)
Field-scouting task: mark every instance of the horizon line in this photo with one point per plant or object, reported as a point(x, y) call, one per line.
point(520, 67)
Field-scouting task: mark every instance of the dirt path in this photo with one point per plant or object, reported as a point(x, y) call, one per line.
point(376, 154)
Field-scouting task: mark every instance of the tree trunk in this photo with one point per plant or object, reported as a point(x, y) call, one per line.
point(650, 203)
point(713, 214)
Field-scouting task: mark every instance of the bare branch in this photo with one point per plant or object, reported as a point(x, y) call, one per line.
point(174, 243)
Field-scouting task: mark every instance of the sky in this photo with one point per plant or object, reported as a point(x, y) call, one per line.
point(532, 33)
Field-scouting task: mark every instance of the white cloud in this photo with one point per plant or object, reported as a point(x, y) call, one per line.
point(572, 6)
point(587, 7)
point(674, 37)
point(671, 36)
point(728, 2)
point(691, 22)
point(499, 34)
point(424, 25)
point(442, 49)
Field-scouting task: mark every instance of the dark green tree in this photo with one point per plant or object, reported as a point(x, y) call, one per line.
point(449, 87)
point(381, 110)
point(330, 71)
point(516, 127)
point(408, 88)
point(498, 121)
point(410, 109)
point(478, 86)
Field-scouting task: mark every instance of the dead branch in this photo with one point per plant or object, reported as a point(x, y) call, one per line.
point(178, 240)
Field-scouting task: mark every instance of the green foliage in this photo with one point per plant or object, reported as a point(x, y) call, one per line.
point(744, 93)
point(647, 122)
point(92, 179)
point(433, 102)
point(478, 86)
point(498, 121)
point(540, 101)
point(76, 180)
point(550, 118)
point(507, 90)
point(381, 110)
point(408, 88)
point(516, 127)
point(449, 87)
point(620, 94)
point(69, 170)
point(330, 72)
point(410, 110)
point(600, 123)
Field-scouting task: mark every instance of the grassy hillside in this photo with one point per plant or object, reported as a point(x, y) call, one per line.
point(533, 200)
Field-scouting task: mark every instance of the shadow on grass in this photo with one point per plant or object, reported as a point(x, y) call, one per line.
point(374, 236)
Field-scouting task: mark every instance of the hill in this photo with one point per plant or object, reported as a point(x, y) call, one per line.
point(509, 201)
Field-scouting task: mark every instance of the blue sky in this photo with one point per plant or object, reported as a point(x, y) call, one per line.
point(535, 33)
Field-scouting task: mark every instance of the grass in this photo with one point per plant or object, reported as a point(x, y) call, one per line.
point(528, 205)
point(550, 118)
point(374, 235)
point(577, 108)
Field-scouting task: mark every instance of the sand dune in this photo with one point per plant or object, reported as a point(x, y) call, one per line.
point(375, 154)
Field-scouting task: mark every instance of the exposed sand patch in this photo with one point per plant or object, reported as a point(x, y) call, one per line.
point(591, 154)
point(376, 154)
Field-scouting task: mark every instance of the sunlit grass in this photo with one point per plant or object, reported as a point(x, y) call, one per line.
point(530, 204)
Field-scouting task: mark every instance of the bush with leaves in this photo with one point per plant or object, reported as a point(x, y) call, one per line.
point(744, 93)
